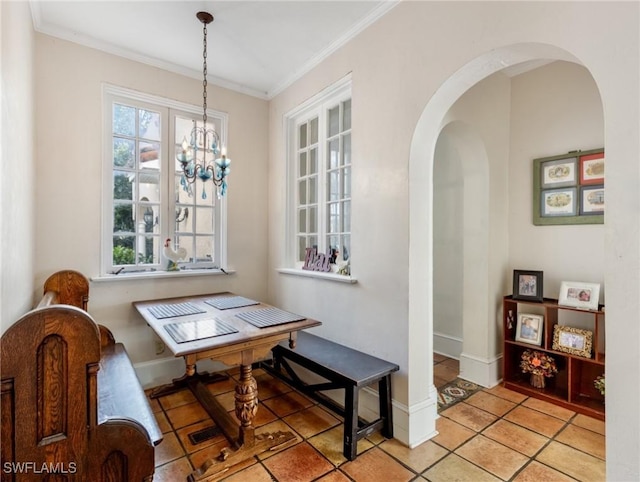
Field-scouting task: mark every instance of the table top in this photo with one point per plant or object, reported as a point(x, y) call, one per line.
point(199, 309)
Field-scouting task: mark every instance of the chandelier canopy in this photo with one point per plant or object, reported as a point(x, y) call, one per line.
point(204, 141)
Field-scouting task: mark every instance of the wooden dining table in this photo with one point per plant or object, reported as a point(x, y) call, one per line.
point(234, 330)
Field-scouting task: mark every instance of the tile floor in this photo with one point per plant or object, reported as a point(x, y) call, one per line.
point(494, 435)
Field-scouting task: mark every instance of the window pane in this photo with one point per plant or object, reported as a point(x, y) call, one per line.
point(333, 242)
point(333, 218)
point(302, 220)
point(302, 192)
point(124, 120)
point(333, 121)
point(313, 128)
point(150, 155)
point(346, 216)
point(303, 135)
point(333, 152)
point(123, 152)
point(346, 182)
point(123, 218)
point(313, 241)
point(302, 164)
point(313, 161)
point(313, 219)
point(183, 218)
point(183, 129)
point(333, 185)
point(346, 115)
point(302, 247)
point(150, 219)
point(346, 247)
point(204, 220)
point(123, 183)
point(313, 191)
point(149, 125)
point(186, 242)
point(149, 186)
point(148, 249)
point(346, 149)
point(123, 252)
point(204, 248)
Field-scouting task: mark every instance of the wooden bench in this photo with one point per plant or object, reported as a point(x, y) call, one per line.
point(344, 368)
point(71, 402)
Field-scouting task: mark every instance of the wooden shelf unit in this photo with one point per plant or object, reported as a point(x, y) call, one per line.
point(572, 387)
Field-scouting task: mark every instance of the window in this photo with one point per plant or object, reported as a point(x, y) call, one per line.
point(320, 176)
point(145, 201)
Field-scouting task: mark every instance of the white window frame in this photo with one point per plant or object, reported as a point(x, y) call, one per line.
point(168, 109)
point(317, 106)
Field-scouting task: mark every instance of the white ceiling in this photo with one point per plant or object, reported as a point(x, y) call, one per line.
point(255, 47)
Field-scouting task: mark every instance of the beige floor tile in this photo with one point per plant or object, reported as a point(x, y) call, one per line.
point(469, 416)
point(376, 465)
point(573, 462)
point(445, 372)
point(456, 469)
point(589, 423)
point(222, 386)
point(492, 456)
point(451, 434)
point(269, 387)
point(171, 472)
point(452, 363)
point(536, 472)
point(300, 463)
point(583, 439)
point(153, 402)
point(517, 437)
point(534, 420)
point(311, 421)
point(490, 403)
point(169, 449)
point(177, 399)
point(437, 358)
point(228, 400)
point(335, 476)
point(255, 473)
point(549, 409)
point(163, 423)
point(184, 415)
point(500, 391)
point(330, 444)
point(419, 458)
point(288, 403)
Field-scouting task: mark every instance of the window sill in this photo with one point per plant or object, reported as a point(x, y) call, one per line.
point(184, 273)
point(317, 274)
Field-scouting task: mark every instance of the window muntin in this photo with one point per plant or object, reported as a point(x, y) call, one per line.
point(144, 201)
point(320, 174)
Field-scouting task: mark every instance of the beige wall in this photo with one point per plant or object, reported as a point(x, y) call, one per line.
point(68, 194)
point(408, 69)
point(17, 164)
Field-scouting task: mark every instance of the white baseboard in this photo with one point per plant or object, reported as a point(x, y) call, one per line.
point(482, 371)
point(447, 345)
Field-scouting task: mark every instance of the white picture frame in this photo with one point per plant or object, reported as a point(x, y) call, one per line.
point(579, 295)
point(529, 328)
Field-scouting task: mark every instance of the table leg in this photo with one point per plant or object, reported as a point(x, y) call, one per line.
point(191, 375)
point(246, 405)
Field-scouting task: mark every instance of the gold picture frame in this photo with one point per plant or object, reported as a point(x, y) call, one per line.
point(574, 341)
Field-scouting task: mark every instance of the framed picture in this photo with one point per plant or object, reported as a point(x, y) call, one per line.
point(579, 295)
point(592, 199)
point(572, 340)
point(558, 202)
point(559, 172)
point(529, 328)
point(592, 169)
point(569, 188)
point(527, 285)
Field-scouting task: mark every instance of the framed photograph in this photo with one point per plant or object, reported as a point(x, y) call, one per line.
point(559, 172)
point(592, 199)
point(558, 202)
point(592, 169)
point(572, 340)
point(569, 188)
point(529, 328)
point(579, 295)
point(527, 285)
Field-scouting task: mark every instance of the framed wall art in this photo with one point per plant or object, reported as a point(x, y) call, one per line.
point(569, 188)
point(527, 285)
point(579, 295)
point(529, 328)
point(572, 340)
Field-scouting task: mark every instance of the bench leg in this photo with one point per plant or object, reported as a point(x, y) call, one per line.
point(351, 422)
point(384, 397)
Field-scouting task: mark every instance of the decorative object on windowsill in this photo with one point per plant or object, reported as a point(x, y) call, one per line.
point(173, 256)
point(539, 365)
point(204, 140)
point(599, 384)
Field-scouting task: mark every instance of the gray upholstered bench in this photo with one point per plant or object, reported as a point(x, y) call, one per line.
point(344, 368)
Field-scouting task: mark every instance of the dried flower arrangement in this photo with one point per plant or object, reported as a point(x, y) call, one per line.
point(538, 363)
point(599, 384)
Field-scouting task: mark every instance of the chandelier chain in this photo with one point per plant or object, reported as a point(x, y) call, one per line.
point(204, 74)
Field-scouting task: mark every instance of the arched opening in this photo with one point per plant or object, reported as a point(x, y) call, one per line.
point(432, 123)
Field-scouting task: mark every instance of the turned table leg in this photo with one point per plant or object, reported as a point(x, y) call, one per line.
point(246, 405)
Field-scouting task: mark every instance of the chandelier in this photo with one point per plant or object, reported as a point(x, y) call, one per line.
point(203, 141)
